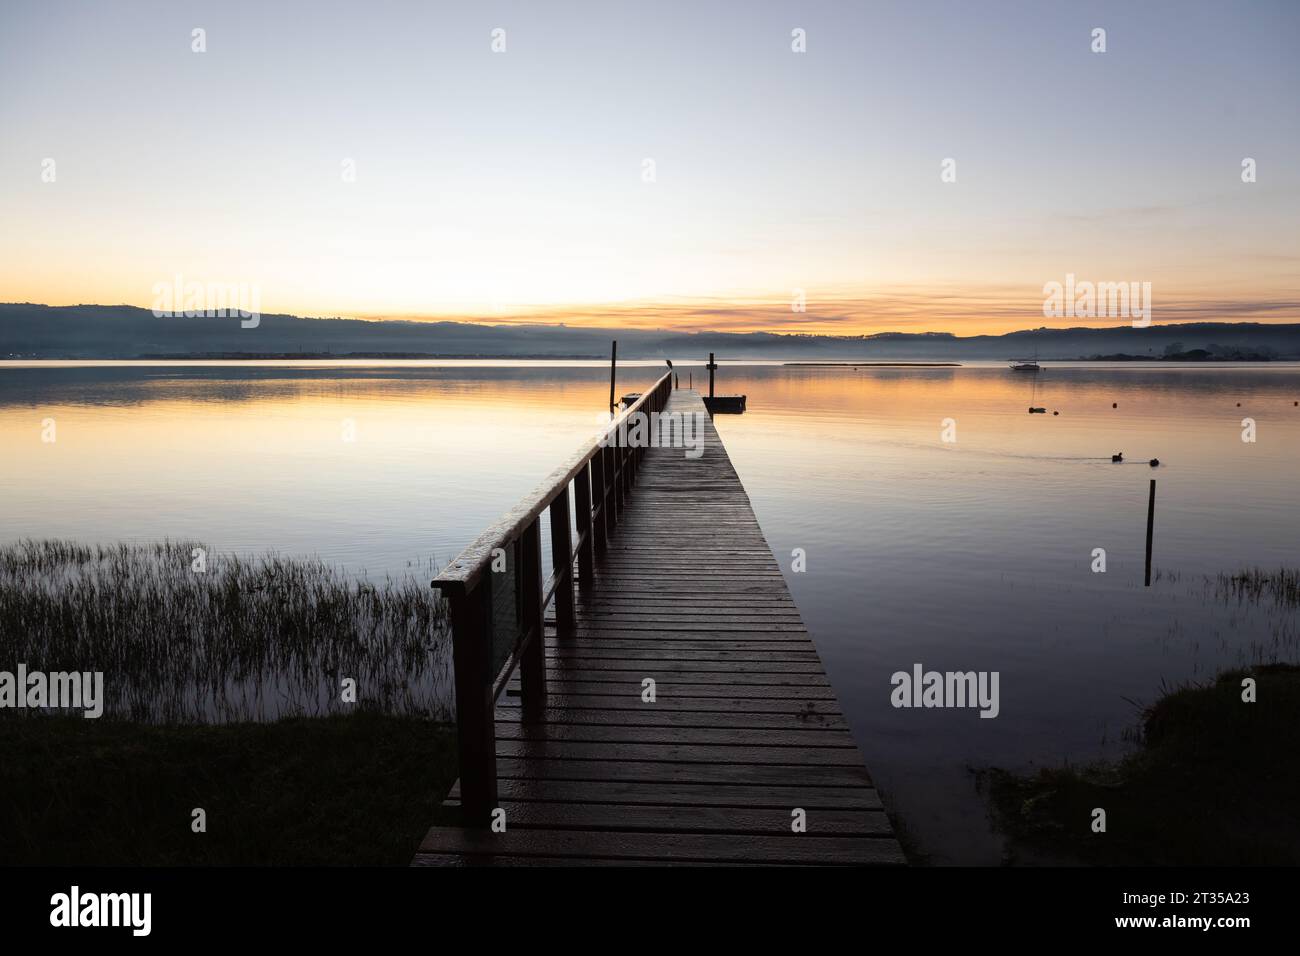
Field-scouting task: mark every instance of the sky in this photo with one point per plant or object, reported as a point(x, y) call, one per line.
point(512, 185)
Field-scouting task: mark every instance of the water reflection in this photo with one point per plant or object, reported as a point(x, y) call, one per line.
point(967, 555)
point(252, 458)
point(976, 554)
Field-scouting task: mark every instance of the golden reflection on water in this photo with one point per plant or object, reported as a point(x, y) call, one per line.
point(969, 554)
point(369, 470)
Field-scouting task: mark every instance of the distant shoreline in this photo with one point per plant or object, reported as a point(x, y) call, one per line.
point(198, 358)
point(314, 356)
point(31, 331)
point(876, 364)
point(1193, 355)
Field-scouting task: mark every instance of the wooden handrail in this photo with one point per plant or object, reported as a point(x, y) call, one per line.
point(463, 573)
point(601, 473)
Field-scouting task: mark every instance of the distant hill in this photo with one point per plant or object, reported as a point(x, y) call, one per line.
point(123, 332)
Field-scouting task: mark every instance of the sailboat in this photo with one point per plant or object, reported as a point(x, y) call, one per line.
point(1025, 365)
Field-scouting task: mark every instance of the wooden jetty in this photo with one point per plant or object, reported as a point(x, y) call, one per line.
point(662, 575)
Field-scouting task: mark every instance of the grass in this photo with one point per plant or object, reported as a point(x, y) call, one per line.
point(358, 789)
point(240, 639)
point(223, 691)
point(1215, 781)
point(1254, 585)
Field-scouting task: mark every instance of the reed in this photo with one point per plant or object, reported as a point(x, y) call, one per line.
point(246, 639)
point(1255, 585)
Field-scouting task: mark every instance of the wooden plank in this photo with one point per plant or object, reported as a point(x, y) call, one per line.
point(573, 655)
point(772, 821)
point(677, 688)
point(668, 772)
point(462, 860)
point(612, 669)
point(507, 714)
point(745, 727)
point(688, 636)
point(619, 752)
point(658, 793)
point(678, 847)
point(625, 733)
point(700, 625)
point(810, 710)
point(680, 682)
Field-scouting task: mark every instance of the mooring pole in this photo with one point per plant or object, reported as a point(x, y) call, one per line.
point(1151, 524)
point(712, 366)
point(613, 362)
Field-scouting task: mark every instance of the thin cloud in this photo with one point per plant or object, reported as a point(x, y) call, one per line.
point(937, 310)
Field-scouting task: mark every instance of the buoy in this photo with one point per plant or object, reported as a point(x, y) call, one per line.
point(1154, 462)
point(1114, 404)
point(1239, 404)
point(1119, 457)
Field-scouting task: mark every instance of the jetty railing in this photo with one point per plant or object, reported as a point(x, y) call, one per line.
point(498, 599)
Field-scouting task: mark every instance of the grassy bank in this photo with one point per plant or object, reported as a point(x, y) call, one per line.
point(1213, 781)
point(183, 634)
point(359, 789)
point(224, 681)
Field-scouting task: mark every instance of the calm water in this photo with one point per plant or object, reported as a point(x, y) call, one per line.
point(965, 555)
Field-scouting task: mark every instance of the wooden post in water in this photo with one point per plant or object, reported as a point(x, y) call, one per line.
point(1151, 524)
point(613, 362)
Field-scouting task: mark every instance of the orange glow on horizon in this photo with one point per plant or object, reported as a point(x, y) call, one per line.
point(962, 313)
point(962, 309)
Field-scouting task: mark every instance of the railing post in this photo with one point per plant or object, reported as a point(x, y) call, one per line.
point(615, 481)
point(471, 641)
point(586, 527)
point(653, 425)
point(562, 562)
point(638, 450)
point(629, 453)
point(532, 660)
point(600, 524)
